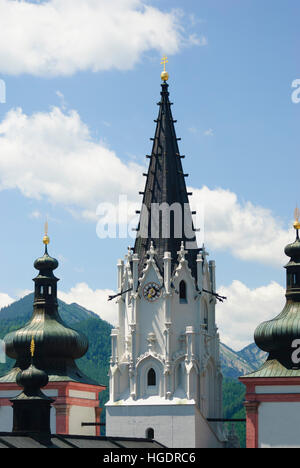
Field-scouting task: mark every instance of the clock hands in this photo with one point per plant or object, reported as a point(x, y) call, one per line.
point(151, 293)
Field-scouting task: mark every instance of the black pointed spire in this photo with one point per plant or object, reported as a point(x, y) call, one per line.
point(166, 184)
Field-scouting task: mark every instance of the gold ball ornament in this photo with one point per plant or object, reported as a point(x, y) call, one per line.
point(46, 240)
point(164, 76)
point(297, 225)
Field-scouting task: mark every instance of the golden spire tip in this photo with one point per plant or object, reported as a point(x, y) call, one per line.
point(46, 239)
point(297, 216)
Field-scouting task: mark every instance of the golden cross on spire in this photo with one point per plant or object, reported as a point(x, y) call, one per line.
point(164, 61)
point(164, 75)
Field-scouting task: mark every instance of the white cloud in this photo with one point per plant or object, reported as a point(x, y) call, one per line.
point(238, 317)
point(5, 300)
point(209, 132)
point(196, 40)
point(248, 231)
point(193, 130)
point(93, 300)
point(35, 215)
point(23, 293)
point(61, 37)
point(52, 155)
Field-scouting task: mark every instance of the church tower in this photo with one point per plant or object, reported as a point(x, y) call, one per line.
point(273, 391)
point(165, 373)
point(57, 348)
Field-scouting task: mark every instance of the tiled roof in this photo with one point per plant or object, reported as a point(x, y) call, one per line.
point(11, 440)
point(273, 368)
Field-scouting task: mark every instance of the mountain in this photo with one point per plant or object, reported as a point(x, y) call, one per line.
point(253, 355)
point(235, 364)
point(71, 313)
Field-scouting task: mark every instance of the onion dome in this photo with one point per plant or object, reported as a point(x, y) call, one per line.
point(293, 250)
point(32, 379)
point(46, 264)
point(57, 344)
point(277, 336)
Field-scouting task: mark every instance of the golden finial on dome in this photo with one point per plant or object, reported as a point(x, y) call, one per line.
point(46, 239)
point(297, 216)
point(164, 75)
point(32, 347)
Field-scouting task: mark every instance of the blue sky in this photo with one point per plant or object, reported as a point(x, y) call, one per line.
point(231, 63)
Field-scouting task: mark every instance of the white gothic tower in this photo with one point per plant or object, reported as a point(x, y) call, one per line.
point(165, 373)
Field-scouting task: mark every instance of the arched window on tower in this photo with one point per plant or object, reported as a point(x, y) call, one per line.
point(151, 378)
point(295, 282)
point(179, 376)
point(182, 292)
point(150, 433)
point(205, 316)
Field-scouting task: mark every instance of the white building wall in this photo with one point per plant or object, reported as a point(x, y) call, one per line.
point(81, 394)
point(79, 414)
point(277, 389)
point(278, 425)
point(167, 421)
point(6, 418)
point(175, 426)
point(205, 436)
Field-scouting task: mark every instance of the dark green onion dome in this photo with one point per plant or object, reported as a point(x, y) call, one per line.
point(32, 380)
point(293, 250)
point(57, 344)
point(46, 265)
point(276, 336)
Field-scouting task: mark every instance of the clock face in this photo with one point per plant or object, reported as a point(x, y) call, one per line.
point(151, 292)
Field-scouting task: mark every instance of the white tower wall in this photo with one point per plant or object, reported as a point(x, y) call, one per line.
point(175, 340)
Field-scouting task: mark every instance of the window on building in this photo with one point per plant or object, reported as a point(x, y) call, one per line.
point(150, 433)
point(151, 380)
point(295, 279)
point(179, 375)
point(182, 292)
point(205, 317)
point(42, 290)
point(49, 290)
